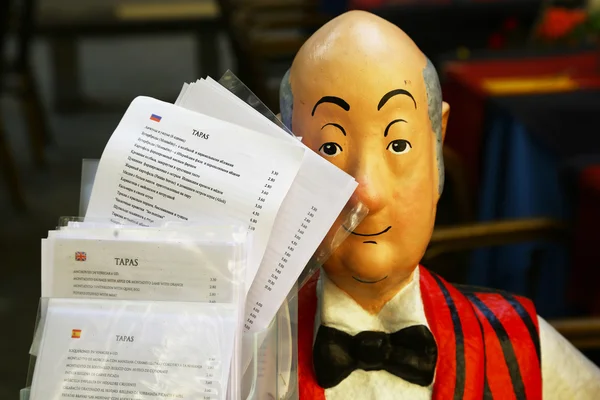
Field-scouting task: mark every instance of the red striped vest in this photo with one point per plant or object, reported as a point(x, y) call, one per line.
point(488, 342)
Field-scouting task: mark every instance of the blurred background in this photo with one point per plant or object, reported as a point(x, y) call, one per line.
point(521, 208)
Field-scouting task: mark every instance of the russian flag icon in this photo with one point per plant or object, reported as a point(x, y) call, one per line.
point(155, 118)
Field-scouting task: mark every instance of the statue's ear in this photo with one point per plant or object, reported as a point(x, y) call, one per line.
point(445, 115)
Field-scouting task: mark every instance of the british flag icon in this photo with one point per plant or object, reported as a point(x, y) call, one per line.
point(80, 256)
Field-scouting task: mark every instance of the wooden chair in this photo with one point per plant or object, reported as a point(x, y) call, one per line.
point(488, 234)
point(584, 333)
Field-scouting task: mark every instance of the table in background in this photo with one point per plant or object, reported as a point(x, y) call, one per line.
point(527, 149)
point(463, 89)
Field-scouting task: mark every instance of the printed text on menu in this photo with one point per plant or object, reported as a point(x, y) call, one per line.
point(162, 165)
point(278, 269)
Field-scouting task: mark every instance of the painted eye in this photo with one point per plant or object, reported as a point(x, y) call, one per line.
point(330, 149)
point(399, 146)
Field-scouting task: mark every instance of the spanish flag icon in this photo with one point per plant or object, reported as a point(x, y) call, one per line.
point(76, 334)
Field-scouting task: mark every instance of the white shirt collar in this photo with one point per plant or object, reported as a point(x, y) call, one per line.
point(340, 311)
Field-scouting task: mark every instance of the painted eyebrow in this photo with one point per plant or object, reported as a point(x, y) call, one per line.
point(341, 128)
point(387, 128)
point(393, 93)
point(331, 99)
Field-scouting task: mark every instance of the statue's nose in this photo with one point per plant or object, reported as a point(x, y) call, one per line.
point(372, 185)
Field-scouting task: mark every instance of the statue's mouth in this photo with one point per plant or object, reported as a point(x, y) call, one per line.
point(368, 234)
point(368, 282)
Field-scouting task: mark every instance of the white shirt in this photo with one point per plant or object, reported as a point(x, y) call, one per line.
point(566, 373)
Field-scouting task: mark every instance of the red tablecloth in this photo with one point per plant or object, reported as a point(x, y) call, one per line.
point(463, 90)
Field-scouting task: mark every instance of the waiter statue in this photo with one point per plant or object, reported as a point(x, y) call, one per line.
point(375, 324)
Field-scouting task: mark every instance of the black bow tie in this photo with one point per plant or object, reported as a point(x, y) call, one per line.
point(410, 354)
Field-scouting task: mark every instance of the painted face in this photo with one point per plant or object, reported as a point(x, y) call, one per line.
point(371, 120)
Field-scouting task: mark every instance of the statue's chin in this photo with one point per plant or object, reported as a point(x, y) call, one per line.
point(380, 265)
point(369, 262)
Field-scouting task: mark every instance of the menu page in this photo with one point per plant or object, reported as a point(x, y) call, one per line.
point(103, 349)
point(139, 270)
point(165, 163)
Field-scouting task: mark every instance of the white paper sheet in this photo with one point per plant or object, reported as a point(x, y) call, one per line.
point(192, 167)
point(121, 269)
point(318, 195)
point(103, 349)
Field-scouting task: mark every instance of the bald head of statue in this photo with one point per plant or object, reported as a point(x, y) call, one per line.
point(362, 95)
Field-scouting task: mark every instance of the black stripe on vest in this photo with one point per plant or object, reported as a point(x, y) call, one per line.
point(487, 392)
point(535, 337)
point(459, 386)
point(516, 305)
point(507, 348)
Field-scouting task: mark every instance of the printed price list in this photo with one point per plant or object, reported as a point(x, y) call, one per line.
point(287, 256)
point(262, 198)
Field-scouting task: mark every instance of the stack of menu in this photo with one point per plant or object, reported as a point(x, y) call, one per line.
point(202, 216)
